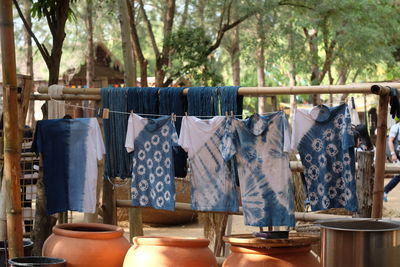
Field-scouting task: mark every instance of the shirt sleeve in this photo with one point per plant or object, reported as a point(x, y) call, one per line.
point(130, 135)
point(394, 130)
point(37, 139)
point(286, 134)
point(184, 134)
point(100, 148)
point(174, 134)
point(228, 144)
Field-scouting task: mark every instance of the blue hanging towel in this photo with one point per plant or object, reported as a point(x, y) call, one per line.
point(172, 100)
point(117, 160)
point(143, 100)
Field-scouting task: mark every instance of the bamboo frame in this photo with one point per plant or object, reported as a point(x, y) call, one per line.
point(365, 88)
point(12, 142)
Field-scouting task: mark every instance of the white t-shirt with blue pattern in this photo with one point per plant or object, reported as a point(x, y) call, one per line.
point(153, 178)
point(325, 142)
point(260, 145)
point(213, 186)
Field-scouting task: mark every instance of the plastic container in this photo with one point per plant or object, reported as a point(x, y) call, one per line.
point(28, 245)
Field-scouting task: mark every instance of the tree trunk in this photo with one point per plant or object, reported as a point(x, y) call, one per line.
point(136, 44)
point(89, 54)
point(292, 72)
point(235, 57)
point(30, 121)
point(311, 36)
point(260, 59)
point(365, 183)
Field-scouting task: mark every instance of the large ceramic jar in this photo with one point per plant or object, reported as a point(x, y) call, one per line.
point(248, 251)
point(169, 252)
point(87, 245)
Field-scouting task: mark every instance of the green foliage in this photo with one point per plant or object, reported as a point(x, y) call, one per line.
point(189, 57)
point(42, 7)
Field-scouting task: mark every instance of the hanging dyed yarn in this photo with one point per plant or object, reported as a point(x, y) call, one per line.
point(117, 161)
point(172, 100)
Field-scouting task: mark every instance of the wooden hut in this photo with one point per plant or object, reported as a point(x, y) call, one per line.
point(107, 70)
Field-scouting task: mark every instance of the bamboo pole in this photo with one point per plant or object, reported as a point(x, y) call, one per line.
point(12, 146)
point(364, 88)
point(377, 200)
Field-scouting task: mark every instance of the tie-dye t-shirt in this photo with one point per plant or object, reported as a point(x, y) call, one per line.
point(153, 178)
point(260, 144)
point(70, 149)
point(212, 183)
point(325, 141)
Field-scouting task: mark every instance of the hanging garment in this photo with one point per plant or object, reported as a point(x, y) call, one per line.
point(117, 161)
point(325, 141)
point(230, 101)
point(213, 186)
point(172, 100)
point(70, 149)
point(260, 144)
point(153, 178)
point(355, 119)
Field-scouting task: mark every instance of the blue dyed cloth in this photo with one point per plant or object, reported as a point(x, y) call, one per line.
point(153, 178)
point(203, 101)
point(70, 149)
point(260, 144)
point(117, 162)
point(325, 140)
point(213, 184)
point(172, 100)
point(143, 100)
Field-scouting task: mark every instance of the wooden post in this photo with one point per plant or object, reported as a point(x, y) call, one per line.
point(365, 182)
point(135, 214)
point(12, 145)
point(377, 202)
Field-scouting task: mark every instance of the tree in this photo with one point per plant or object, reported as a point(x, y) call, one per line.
point(56, 13)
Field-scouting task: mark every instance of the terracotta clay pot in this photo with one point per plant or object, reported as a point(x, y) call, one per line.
point(169, 252)
point(87, 245)
point(248, 251)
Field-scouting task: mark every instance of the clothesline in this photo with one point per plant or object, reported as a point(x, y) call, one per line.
point(97, 110)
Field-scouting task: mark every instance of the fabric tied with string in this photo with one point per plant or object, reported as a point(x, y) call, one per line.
point(55, 109)
point(172, 100)
point(117, 160)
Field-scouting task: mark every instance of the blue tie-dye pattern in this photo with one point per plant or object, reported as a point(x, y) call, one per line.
point(153, 178)
point(263, 166)
point(63, 145)
point(77, 141)
point(327, 154)
point(213, 186)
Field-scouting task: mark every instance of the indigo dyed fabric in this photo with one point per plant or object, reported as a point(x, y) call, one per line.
point(70, 149)
point(117, 162)
point(203, 101)
point(260, 144)
point(213, 186)
point(153, 178)
point(172, 100)
point(325, 142)
point(143, 100)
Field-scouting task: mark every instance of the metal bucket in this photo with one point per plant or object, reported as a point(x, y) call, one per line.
point(37, 262)
point(360, 243)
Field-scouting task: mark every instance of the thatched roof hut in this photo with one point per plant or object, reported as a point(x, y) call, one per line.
point(106, 67)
